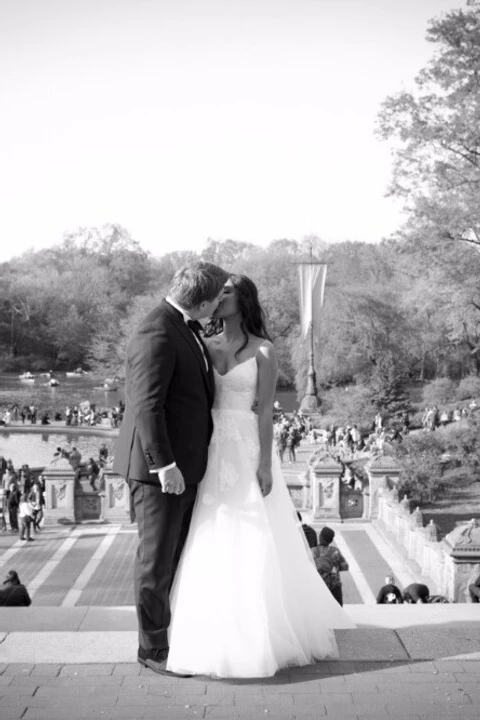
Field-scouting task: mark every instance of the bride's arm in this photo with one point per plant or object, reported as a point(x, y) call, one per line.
point(267, 381)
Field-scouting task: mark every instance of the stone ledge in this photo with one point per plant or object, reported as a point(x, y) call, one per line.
point(123, 618)
point(121, 647)
point(109, 634)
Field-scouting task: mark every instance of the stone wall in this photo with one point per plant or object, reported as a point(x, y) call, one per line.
point(452, 563)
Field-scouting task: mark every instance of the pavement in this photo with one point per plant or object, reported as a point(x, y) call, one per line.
point(72, 654)
point(408, 662)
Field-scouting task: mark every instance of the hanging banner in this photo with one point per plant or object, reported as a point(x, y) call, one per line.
point(312, 288)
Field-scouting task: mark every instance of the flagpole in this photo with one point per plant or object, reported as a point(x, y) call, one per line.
point(310, 402)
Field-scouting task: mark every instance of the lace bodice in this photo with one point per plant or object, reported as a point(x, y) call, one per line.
point(237, 389)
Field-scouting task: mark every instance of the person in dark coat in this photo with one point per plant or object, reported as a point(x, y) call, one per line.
point(330, 562)
point(389, 594)
point(12, 592)
point(162, 448)
point(416, 593)
point(310, 533)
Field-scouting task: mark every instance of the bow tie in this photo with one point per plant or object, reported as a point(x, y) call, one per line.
point(195, 326)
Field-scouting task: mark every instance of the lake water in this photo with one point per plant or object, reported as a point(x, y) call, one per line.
point(37, 448)
point(72, 391)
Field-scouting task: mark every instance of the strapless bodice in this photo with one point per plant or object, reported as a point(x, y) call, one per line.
point(237, 389)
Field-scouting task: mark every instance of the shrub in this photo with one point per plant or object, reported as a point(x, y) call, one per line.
point(468, 388)
point(421, 458)
point(439, 392)
point(433, 462)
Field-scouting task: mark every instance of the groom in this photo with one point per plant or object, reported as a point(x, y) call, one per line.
point(163, 442)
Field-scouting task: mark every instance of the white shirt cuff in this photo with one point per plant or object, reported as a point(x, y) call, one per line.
point(162, 469)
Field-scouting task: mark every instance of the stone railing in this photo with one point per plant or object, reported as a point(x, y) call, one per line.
point(70, 501)
point(452, 563)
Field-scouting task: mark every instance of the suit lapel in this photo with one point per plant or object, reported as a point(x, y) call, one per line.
point(188, 335)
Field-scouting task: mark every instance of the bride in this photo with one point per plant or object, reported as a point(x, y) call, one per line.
point(247, 599)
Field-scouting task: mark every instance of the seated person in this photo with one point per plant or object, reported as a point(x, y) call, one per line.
point(389, 594)
point(416, 593)
point(12, 592)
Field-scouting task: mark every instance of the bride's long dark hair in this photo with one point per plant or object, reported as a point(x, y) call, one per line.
point(253, 316)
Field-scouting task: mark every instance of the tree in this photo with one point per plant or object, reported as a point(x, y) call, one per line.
point(436, 129)
point(387, 384)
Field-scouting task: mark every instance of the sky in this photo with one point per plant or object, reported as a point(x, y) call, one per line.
point(184, 120)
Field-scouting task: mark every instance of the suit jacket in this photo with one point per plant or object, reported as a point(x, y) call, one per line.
point(168, 398)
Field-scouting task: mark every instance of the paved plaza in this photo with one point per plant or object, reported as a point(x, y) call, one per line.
point(92, 564)
point(72, 654)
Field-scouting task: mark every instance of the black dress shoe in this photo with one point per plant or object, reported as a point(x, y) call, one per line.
point(156, 660)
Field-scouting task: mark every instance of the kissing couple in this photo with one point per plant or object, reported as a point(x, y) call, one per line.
point(225, 584)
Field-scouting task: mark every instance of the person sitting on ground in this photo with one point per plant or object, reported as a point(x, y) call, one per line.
point(474, 590)
point(310, 533)
point(12, 592)
point(389, 594)
point(416, 593)
point(330, 562)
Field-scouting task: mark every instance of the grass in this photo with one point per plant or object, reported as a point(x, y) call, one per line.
point(461, 505)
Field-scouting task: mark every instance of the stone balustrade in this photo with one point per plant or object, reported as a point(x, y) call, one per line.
point(452, 564)
point(70, 501)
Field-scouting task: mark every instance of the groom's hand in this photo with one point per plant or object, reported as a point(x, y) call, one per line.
point(172, 481)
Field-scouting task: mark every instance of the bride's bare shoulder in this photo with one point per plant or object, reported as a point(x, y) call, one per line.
point(265, 350)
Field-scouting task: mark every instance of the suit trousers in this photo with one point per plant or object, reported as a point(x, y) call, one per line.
point(163, 520)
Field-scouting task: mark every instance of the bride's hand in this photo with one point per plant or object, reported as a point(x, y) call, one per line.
point(265, 480)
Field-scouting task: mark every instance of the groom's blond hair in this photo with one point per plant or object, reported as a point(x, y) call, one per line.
point(194, 284)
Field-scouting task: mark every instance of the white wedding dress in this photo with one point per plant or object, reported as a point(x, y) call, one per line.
point(247, 599)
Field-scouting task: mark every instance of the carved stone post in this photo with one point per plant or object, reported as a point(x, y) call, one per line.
point(59, 493)
point(325, 474)
point(464, 542)
point(116, 501)
point(380, 470)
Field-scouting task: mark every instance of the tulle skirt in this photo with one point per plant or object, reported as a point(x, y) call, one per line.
point(247, 599)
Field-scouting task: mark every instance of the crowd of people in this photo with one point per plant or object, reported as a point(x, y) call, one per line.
point(83, 414)
point(22, 491)
point(330, 562)
point(390, 594)
point(434, 418)
point(289, 431)
point(92, 470)
point(21, 500)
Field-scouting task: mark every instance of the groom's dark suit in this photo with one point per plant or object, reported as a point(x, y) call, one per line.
point(168, 395)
